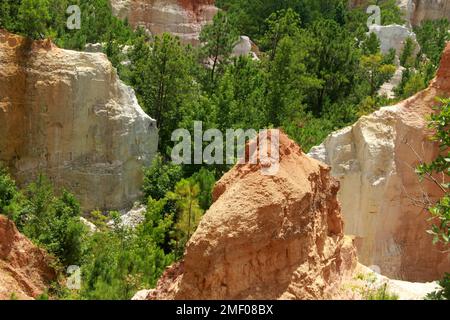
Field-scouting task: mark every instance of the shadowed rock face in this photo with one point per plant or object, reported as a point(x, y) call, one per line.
point(266, 237)
point(67, 114)
point(183, 18)
point(375, 161)
point(25, 270)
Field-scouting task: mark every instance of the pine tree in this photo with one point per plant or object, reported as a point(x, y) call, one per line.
point(218, 40)
point(189, 212)
point(34, 17)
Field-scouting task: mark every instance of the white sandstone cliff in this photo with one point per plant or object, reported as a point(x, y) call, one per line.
point(374, 160)
point(394, 36)
point(67, 114)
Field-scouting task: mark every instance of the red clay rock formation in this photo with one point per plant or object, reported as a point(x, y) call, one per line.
point(183, 18)
point(266, 237)
point(25, 270)
point(375, 161)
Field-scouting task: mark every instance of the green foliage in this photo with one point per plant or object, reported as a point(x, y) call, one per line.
point(206, 180)
point(37, 17)
point(380, 293)
point(8, 191)
point(186, 195)
point(406, 58)
point(252, 14)
point(333, 60)
point(444, 293)
point(53, 222)
point(48, 220)
point(371, 45)
point(239, 99)
point(161, 75)
point(440, 212)
point(432, 36)
point(287, 77)
point(160, 178)
point(390, 12)
point(376, 72)
point(121, 261)
point(218, 41)
point(280, 24)
point(414, 84)
point(372, 290)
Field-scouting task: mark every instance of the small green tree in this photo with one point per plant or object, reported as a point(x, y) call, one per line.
point(205, 180)
point(8, 191)
point(122, 260)
point(280, 24)
point(34, 17)
point(189, 212)
point(432, 36)
point(218, 40)
point(54, 222)
point(414, 84)
point(406, 57)
point(375, 71)
point(161, 73)
point(160, 178)
point(371, 45)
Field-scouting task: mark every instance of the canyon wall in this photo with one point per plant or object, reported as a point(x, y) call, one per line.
point(25, 270)
point(428, 10)
point(266, 237)
point(67, 114)
point(375, 161)
point(416, 11)
point(182, 18)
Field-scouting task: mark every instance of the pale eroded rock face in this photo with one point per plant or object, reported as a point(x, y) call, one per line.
point(422, 10)
point(183, 18)
point(25, 270)
point(366, 280)
point(246, 47)
point(266, 237)
point(375, 162)
point(394, 37)
point(67, 114)
point(416, 11)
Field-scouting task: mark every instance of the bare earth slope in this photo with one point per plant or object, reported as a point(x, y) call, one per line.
point(24, 268)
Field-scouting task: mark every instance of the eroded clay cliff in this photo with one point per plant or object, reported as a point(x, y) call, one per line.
point(25, 270)
point(266, 237)
point(375, 161)
point(182, 18)
point(67, 114)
